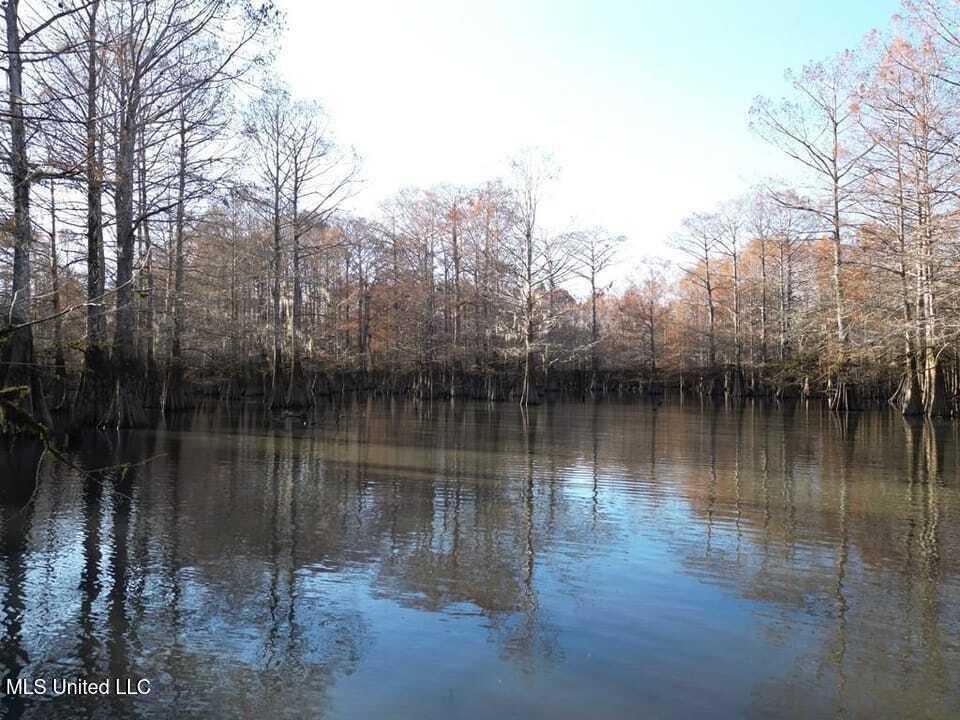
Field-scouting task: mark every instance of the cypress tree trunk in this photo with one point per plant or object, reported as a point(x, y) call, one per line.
point(125, 407)
point(59, 357)
point(298, 394)
point(844, 396)
point(275, 392)
point(19, 367)
point(90, 406)
point(177, 396)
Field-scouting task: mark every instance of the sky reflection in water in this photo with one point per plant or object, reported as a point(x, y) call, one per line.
point(388, 559)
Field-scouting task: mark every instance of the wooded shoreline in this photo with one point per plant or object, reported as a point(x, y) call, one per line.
point(321, 388)
point(173, 234)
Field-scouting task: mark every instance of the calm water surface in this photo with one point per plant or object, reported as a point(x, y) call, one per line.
point(588, 560)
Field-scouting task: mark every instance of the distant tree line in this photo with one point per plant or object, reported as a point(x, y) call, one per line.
point(175, 227)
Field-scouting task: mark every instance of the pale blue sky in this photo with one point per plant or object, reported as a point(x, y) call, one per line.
point(643, 104)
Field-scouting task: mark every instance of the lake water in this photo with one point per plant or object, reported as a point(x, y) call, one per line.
point(584, 560)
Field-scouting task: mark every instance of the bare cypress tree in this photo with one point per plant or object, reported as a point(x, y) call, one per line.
point(20, 372)
point(200, 164)
point(886, 202)
point(819, 130)
point(699, 242)
point(594, 252)
point(731, 220)
point(90, 405)
point(759, 221)
point(146, 39)
point(319, 179)
point(267, 127)
point(532, 171)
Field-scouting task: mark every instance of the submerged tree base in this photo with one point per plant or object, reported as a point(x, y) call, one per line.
point(844, 398)
point(113, 398)
point(176, 394)
point(909, 398)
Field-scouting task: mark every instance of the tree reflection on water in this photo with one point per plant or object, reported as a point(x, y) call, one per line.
point(465, 557)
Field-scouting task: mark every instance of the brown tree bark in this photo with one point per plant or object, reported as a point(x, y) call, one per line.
point(91, 402)
point(20, 369)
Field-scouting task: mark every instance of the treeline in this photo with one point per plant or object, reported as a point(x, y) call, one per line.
point(864, 248)
point(176, 228)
